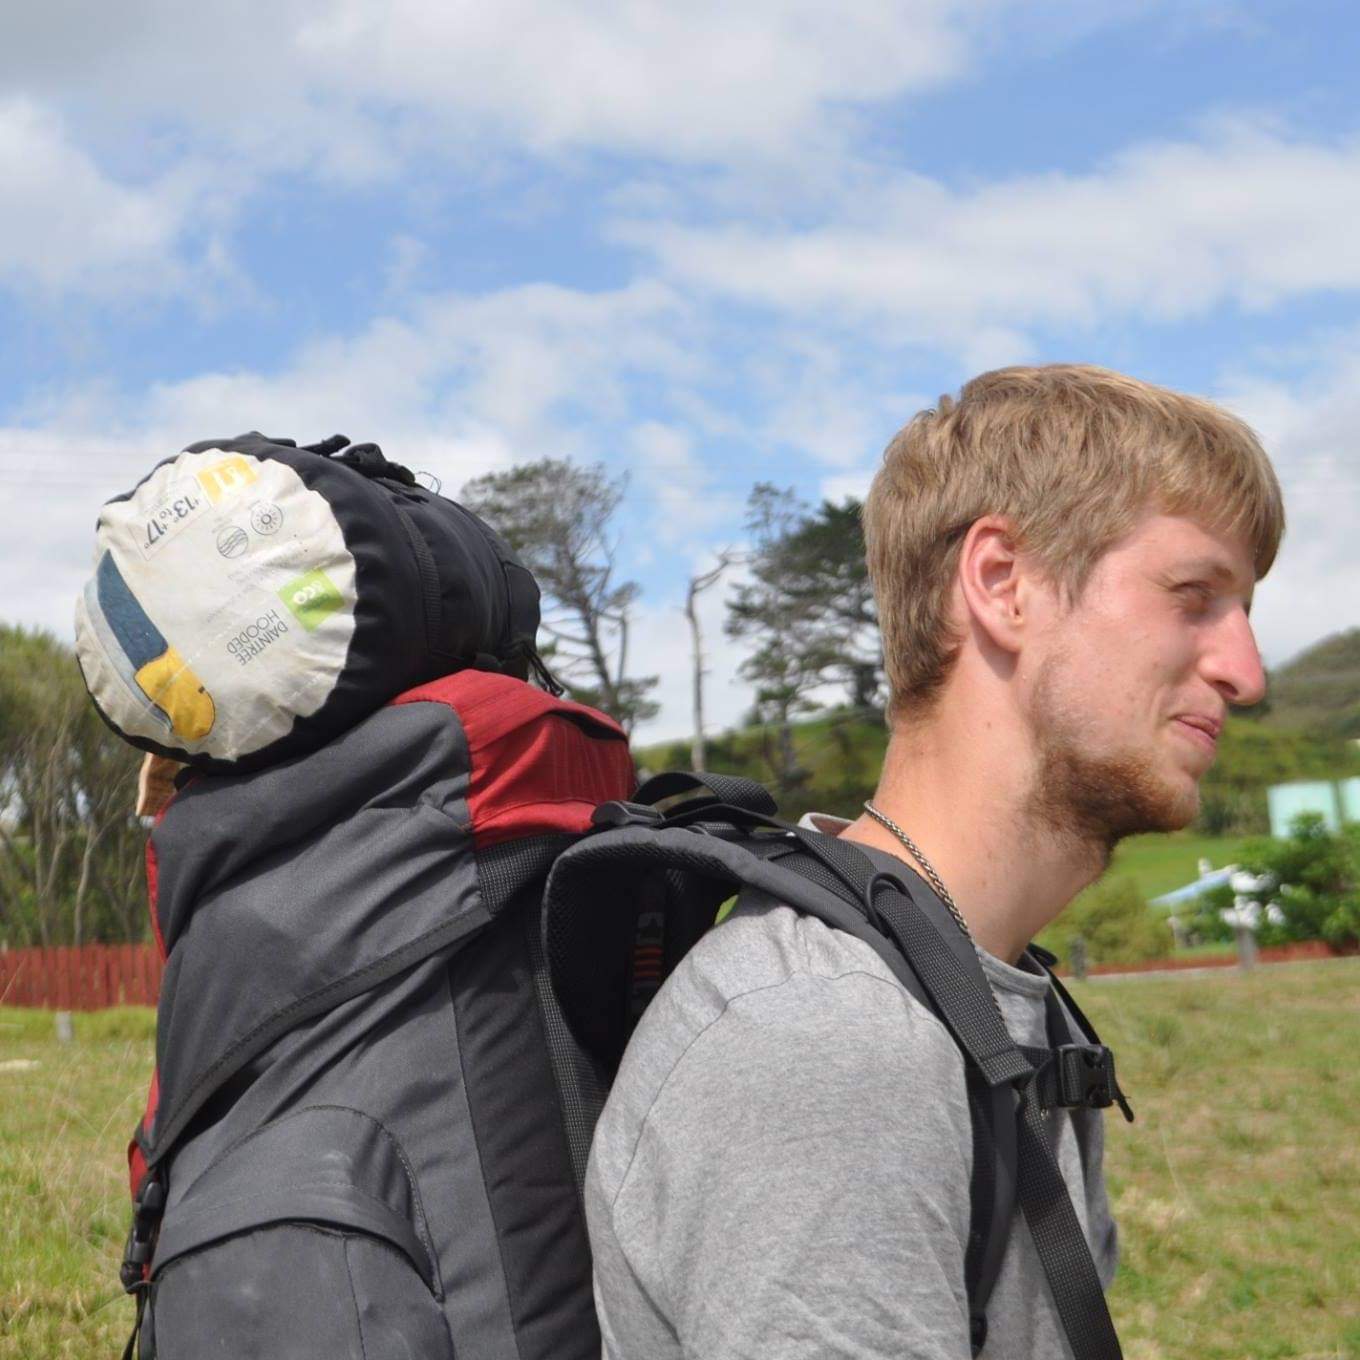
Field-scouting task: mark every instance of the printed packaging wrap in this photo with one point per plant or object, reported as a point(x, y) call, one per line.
point(251, 600)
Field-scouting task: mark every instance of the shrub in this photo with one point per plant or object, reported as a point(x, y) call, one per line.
point(1204, 920)
point(1116, 923)
point(1317, 873)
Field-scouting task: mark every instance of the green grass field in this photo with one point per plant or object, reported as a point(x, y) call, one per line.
point(1158, 863)
point(1237, 1191)
point(64, 1126)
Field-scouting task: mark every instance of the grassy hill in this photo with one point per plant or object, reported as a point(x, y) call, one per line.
point(1306, 729)
point(1159, 863)
point(1254, 753)
point(839, 755)
point(1319, 690)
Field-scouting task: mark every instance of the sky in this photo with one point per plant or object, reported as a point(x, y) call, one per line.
point(704, 244)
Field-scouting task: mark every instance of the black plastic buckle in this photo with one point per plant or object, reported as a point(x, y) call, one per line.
point(609, 815)
point(147, 1209)
point(1085, 1075)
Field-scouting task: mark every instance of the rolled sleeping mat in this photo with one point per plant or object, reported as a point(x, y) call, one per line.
point(251, 600)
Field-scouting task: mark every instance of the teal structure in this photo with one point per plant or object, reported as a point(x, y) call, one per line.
point(1336, 801)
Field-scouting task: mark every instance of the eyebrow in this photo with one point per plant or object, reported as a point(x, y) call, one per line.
point(1206, 566)
point(1217, 571)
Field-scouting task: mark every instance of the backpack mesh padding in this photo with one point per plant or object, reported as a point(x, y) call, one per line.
point(592, 929)
point(512, 877)
point(504, 870)
point(581, 1083)
point(811, 868)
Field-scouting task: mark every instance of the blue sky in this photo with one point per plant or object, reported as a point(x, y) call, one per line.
point(706, 244)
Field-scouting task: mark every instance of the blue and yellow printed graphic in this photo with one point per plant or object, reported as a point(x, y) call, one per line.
point(157, 669)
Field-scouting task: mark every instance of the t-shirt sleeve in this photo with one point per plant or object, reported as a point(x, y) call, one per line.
point(799, 1188)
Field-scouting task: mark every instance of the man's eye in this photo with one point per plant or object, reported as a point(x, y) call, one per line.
point(1195, 595)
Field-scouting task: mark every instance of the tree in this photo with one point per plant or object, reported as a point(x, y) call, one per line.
point(824, 573)
point(67, 800)
point(556, 516)
point(809, 609)
point(697, 585)
point(779, 622)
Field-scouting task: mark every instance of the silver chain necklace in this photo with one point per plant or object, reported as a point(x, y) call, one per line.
point(936, 881)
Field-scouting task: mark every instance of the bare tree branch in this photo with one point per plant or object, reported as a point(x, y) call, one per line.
point(556, 515)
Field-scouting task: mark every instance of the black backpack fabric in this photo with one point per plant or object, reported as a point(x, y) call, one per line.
point(401, 971)
point(355, 1143)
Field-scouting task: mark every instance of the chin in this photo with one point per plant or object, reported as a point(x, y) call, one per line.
point(1101, 799)
point(1176, 811)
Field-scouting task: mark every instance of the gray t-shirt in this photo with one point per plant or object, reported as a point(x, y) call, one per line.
point(783, 1166)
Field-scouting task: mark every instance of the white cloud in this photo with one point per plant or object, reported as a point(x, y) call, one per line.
point(537, 364)
point(834, 396)
point(69, 227)
point(52, 484)
point(651, 76)
point(408, 257)
point(1244, 216)
point(459, 387)
point(175, 116)
point(354, 90)
point(1311, 428)
point(847, 485)
point(680, 504)
point(348, 83)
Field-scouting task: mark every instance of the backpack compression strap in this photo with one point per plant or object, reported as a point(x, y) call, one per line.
point(729, 789)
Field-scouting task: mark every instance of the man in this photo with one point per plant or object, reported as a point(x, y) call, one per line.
point(1064, 561)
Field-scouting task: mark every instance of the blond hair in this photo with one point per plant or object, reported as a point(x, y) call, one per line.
point(1074, 456)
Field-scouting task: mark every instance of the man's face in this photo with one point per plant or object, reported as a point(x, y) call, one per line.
point(1130, 684)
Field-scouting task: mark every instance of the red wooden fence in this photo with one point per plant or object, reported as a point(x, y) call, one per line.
point(98, 975)
point(1296, 952)
point(84, 979)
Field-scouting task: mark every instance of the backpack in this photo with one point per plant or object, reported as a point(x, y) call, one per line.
point(400, 972)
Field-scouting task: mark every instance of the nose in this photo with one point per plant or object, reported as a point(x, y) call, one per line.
point(1231, 660)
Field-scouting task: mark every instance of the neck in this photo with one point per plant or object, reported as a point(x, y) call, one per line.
point(956, 794)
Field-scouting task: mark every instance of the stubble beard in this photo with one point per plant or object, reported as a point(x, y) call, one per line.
point(1096, 799)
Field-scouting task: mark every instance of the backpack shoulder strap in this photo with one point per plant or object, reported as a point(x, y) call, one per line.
point(592, 912)
point(992, 1192)
point(812, 874)
point(1041, 1191)
point(596, 905)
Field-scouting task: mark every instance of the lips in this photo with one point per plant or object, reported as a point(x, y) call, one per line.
point(1201, 729)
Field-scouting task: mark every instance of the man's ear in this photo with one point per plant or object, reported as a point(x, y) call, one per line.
point(992, 579)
